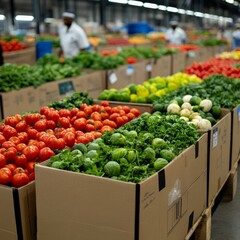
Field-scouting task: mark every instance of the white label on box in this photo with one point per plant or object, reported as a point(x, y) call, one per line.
point(215, 137)
point(149, 67)
point(239, 114)
point(192, 54)
point(119, 49)
point(130, 70)
point(112, 77)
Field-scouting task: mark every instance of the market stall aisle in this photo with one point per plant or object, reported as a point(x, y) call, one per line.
point(226, 219)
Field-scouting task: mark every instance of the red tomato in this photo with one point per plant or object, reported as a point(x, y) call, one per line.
point(96, 116)
point(125, 119)
point(126, 109)
point(21, 160)
point(44, 110)
point(89, 128)
point(61, 143)
point(30, 167)
point(31, 176)
point(114, 116)
point(80, 124)
point(69, 139)
point(88, 110)
point(2, 139)
point(83, 106)
point(23, 136)
point(119, 121)
point(11, 121)
point(130, 116)
point(32, 133)
point(104, 115)
point(109, 123)
point(11, 167)
point(21, 126)
point(107, 109)
point(83, 139)
point(15, 140)
point(50, 124)
point(53, 115)
point(74, 112)
point(10, 155)
point(31, 152)
point(32, 118)
point(64, 122)
point(20, 147)
point(106, 128)
point(9, 131)
point(98, 125)
point(5, 176)
point(105, 103)
point(52, 142)
point(64, 113)
point(8, 144)
point(97, 135)
point(41, 145)
point(79, 133)
point(20, 179)
point(135, 111)
point(96, 108)
point(45, 153)
point(2, 160)
point(81, 114)
point(40, 125)
point(20, 170)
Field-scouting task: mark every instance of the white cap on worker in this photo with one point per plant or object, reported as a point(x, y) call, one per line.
point(173, 22)
point(68, 14)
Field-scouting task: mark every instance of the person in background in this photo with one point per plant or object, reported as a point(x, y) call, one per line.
point(1, 55)
point(72, 37)
point(236, 36)
point(175, 35)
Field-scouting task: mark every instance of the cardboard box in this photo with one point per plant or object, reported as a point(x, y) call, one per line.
point(192, 56)
point(235, 136)
point(206, 53)
point(18, 101)
point(25, 56)
point(89, 207)
point(142, 71)
point(93, 83)
point(218, 155)
point(18, 212)
point(178, 62)
point(161, 67)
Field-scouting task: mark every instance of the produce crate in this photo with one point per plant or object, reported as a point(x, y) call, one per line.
point(19, 101)
point(25, 56)
point(192, 56)
point(218, 155)
point(161, 67)
point(18, 212)
point(206, 53)
point(235, 133)
point(142, 71)
point(93, 83)
point(88, 207)
point(126, 74)
point(178, 62)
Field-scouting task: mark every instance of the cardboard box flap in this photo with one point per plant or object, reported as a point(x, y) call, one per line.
point(7, 213)
point(92, 198)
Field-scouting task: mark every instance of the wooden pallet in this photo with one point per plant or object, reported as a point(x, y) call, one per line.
point(201, 230)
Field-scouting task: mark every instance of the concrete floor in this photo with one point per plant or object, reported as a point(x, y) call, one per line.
point(226, 218)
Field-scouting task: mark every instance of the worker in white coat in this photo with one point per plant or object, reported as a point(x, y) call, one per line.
point(175, 35)
point(72, 37)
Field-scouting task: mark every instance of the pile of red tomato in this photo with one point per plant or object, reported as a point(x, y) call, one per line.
point(25, 140)
point(13, 45)
point(184, 47)
point(223, 66)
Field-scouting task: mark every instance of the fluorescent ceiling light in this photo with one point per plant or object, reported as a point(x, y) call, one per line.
point(48, 20)
point(189, 12)
point(2, 17)
point(172, 9)
point(236, 3)
point(135, 3)
point(181, 11)
point(150, 5)
point(198, 14)
point(26, 18)
point(119, 1)
point(206, 15)
point(162, 7)
point(230, 1)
